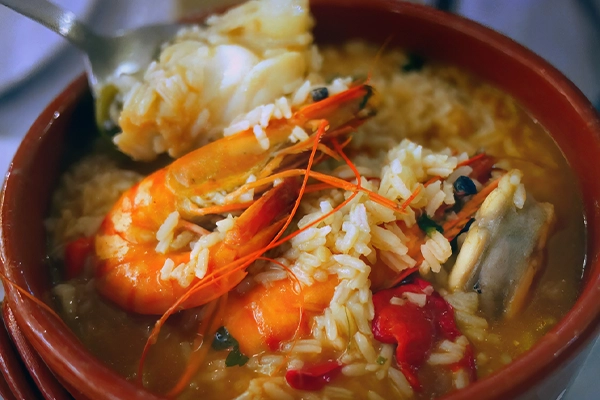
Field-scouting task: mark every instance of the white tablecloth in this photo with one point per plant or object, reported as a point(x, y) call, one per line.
point(560, 31)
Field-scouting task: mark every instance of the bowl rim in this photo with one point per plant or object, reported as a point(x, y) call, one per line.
point(568, 337)
point(40, 328)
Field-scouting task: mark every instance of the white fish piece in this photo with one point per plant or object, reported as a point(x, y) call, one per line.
point(210, 76)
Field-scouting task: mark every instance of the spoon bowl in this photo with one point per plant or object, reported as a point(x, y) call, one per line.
point(106, 57)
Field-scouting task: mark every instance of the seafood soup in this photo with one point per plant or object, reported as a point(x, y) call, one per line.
point(286, 220)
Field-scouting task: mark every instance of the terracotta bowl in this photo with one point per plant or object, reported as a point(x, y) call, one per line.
point(60, 132)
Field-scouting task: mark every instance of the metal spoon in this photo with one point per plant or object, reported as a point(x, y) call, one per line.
point(106, 56)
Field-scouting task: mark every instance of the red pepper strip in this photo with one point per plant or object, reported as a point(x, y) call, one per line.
point(415, 329)
point(76, 252)
point(482, 167)
point(471, 160)
point(403, 275)
point(409, 328)
point(314, 377)
point(467, 363)
point(444, 314)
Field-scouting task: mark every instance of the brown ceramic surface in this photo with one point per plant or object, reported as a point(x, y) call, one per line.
point(550, 98)
point(44, 379)
point(14, 380)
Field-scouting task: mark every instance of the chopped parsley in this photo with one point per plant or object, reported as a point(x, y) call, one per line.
point(414, 63)
point(236, 357)
point(428, 225)
point(365, 99)
point(223, 341)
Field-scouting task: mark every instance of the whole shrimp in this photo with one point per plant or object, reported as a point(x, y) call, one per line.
point(129, 269)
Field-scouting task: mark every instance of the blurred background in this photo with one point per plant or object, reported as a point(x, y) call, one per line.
point(36, 64)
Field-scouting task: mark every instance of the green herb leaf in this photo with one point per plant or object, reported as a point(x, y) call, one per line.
point(414, 63)
point(381, 360)
point(428, 225)
point(105, 98)
point(223, 339)
point(236, 357)
point(366, 98)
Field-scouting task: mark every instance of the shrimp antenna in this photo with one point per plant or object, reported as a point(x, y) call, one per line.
point(300, 293)
point(212, 320)
point(378, 56)
point(31, 297)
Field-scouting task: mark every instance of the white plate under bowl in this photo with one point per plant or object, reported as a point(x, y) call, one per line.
point(27, 46)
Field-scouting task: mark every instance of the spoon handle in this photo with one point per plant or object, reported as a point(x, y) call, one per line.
point(63, 22)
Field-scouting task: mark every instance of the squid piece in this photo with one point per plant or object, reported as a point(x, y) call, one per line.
point(503, 250)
